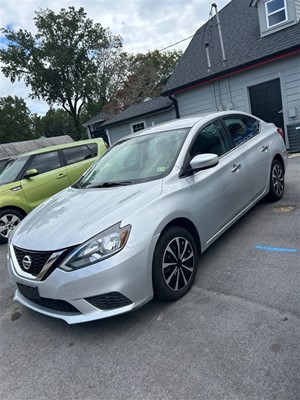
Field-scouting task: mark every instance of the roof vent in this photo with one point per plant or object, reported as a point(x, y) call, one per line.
point(207, 56)
point(220, 32)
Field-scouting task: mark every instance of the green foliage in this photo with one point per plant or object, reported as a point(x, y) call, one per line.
point(147, 76)
point(76, 64)
point(60, 63)
point(15, 120)
point(56, 122)
point(161, 65)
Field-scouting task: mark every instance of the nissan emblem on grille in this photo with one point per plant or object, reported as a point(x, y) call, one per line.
point(26, 262)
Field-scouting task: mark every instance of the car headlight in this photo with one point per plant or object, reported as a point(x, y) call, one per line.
point(100, 247)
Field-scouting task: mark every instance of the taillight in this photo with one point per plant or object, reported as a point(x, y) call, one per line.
point(280, 131)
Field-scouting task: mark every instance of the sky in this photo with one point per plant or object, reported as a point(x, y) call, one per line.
point(143, 24)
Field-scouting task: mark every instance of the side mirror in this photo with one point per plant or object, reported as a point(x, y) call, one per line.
point(30, 173)
point(204, 161)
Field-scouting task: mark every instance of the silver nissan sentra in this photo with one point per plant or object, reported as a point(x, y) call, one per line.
point(134, 225)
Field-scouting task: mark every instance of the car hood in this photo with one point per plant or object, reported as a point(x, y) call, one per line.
point(75, 215)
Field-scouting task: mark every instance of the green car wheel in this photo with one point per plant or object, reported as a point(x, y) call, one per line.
point(9, 219)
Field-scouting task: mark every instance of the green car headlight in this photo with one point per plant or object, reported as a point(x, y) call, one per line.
point(100, 247)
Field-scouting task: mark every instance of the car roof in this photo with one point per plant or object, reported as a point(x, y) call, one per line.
point(61, 146)
point(185, 122)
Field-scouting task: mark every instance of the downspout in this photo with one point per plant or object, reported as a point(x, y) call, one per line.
point(175, 102)
point(229, 105)
point(214, 96)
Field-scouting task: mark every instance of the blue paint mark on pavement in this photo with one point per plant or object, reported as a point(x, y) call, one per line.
point(280, 249)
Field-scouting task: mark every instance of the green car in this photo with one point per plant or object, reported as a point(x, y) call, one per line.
point(31, 178)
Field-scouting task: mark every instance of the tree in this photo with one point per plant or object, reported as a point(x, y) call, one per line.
point(148, 74)
point(112, 70)
point(15, 120)
point(56, 122)
point(61, 62)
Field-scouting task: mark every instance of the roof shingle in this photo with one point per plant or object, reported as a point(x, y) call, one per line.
point(139, 110)
point(242, 43)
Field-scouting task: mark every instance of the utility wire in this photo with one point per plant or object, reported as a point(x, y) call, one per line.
point(174, 44)
point(190, 37)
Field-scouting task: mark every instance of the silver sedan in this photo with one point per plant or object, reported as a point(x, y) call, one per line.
point(136, 222)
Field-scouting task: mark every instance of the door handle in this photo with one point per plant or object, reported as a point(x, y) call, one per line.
point(236, 167)
point(264, 148)
point(59, 176)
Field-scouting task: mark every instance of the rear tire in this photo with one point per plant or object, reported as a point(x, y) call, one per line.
point(175, 264)
point(276, 181)
point(9, 220)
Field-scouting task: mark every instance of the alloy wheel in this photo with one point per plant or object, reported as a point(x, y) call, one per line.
point(178, 263)
point(278, 179)
point(8, 222)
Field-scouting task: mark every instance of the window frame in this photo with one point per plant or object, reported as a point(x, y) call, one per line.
point(87, 146)
point(275, 12)
point(34, 156)
point(227, 139)
point(229, 134)
point(135, 124)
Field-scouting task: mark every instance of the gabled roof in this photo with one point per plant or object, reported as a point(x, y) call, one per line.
point(140, 110)
point(242, 43)
point(16, 148)
point(98, 118)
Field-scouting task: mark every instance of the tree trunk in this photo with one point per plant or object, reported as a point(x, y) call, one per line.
point(78, 131)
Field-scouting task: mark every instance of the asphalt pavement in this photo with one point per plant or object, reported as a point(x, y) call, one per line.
point(234, 336)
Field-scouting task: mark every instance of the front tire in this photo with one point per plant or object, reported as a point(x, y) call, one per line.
point(175, 264)
point(276, 181)
point(9, 220)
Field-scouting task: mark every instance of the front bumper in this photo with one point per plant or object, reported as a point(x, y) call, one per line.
point(113, 286)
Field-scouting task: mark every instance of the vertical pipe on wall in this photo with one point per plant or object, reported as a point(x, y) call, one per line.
point(214, 95)
point(175, 105)
point(229, 105)
point(220, 32)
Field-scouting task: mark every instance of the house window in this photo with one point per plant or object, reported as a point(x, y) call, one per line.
point(276, 12)
point(137, 127)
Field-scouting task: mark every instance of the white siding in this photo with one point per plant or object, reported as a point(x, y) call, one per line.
point(212, 96)
point(297, 3)
point(116, 132)
point(191, 102)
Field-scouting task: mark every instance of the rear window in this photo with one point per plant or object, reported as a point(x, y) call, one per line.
point(80, 153)
point(93, 149)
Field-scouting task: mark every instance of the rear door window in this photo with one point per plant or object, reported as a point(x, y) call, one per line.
point(79, 153)
point(241, 128)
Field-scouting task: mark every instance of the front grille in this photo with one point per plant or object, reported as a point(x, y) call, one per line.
point(31, 293)
point(38, 259)
point(57, 305)
point(109, 301)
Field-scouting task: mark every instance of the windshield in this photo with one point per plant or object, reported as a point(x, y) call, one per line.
point(12, 170)
point(137, 159)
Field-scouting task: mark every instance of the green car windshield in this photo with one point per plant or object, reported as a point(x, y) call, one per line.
point(12, 170)
point(137, 159)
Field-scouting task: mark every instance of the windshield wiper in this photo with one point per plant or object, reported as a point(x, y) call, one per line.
point(109, 184)
point(76, 185)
